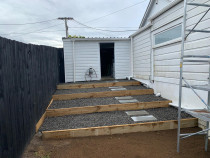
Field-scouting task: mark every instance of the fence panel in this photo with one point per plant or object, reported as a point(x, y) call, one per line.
point(28, 77)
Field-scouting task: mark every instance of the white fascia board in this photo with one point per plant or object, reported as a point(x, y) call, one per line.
point(172, 4)
point(96, 39)
point(141, 30)
point(146, 13)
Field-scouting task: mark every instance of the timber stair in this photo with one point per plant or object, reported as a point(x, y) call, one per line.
point(126, 93)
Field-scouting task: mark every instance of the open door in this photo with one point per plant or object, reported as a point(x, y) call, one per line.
point(107, 60)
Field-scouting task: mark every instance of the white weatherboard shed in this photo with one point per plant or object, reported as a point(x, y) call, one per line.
point(156, 50)
point(109, 57)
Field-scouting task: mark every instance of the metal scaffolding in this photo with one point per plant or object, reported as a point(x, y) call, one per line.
point(203, 114)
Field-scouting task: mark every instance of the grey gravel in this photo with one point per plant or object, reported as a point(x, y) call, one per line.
point(105, 119)
point(82, 90)
point(148, 98)
point(100, 89)
point(169, 113)
point(99, 101)
point(83, 102)
point(86, 120)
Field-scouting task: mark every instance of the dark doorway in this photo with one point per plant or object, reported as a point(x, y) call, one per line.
point(107, 60)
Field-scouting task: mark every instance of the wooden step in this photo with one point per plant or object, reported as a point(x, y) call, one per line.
point(103, 94)
point(105, 108)
point(97, 85)
point(119, 129)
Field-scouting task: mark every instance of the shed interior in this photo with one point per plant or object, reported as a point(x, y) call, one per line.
point(107, 60)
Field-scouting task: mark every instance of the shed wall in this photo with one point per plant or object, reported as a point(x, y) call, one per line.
point(122, 59)
point(87, 54)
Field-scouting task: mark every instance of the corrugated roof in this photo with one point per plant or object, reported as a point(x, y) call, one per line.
point(97, 38)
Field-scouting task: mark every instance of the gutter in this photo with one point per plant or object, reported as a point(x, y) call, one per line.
point(131, 57)
point(146, 13)
point(141, 29)
point(95, 39)
point(73, 57)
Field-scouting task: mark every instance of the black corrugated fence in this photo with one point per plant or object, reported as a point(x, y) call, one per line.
point(28, 77)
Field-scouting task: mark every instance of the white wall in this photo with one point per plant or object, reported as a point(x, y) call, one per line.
point(122, 59)
point(87, 54)
point(141, 55)
point(167, 57)
point(68, 61)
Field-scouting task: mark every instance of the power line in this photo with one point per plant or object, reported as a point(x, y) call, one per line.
point(102, 29)
point(31, 23)
point(35, 31)
point(28, 29)
point(115, 11)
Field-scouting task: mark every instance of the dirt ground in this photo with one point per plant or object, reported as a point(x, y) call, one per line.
point(160, 144)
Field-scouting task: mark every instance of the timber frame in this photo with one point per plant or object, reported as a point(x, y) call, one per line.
point(97, 85)
point(41, 120)
point(105, 108)
point(102, 94)
point(118, 129)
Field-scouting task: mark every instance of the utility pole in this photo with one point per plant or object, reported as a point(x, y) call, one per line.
point(66, 25)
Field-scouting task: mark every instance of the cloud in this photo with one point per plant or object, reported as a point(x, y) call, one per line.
point(25, 11)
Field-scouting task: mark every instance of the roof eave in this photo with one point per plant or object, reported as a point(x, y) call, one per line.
point(141, 29)
point(172, 4)
point(95, 39)
point(146, 14)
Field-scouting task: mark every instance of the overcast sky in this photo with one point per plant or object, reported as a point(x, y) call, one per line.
point(51, 33)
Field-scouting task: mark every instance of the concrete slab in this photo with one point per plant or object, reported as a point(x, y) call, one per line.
point(128, 101)
point(143, 118)
point(137, 113)
point(124, 98)
point(116, 87)
point(119, 89)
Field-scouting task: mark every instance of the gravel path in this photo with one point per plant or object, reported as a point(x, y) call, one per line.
point(83, 102)
point(164, 114)
point(86, 120)
point(83, 90)
point(99, 101)
point(135, 87)
point(148, 98)
point(101, 89)
point(105, 119)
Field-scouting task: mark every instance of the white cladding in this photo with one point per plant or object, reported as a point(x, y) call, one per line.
point(87, 54)
point(141, 54)
point(156, 6)
point(122, 51)
point(166, 57)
